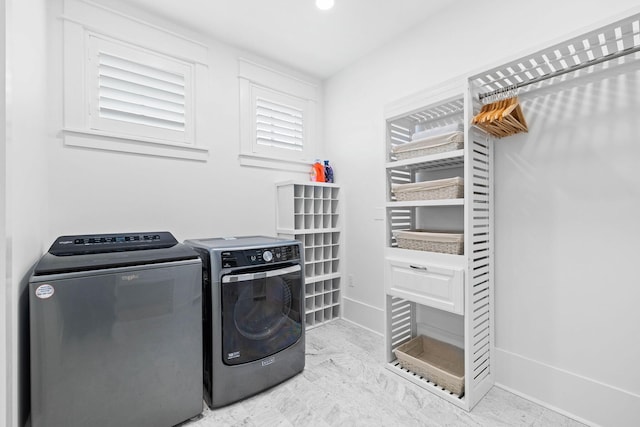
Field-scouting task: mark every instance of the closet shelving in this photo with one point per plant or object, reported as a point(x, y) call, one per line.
point(309, 212)
point(440, 295)
point(458, 309)
point(612, 45)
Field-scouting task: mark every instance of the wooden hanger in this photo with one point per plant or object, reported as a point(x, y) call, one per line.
point(501, 118)
point(478, 117)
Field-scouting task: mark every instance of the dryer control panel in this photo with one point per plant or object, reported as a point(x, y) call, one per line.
point(249, 257)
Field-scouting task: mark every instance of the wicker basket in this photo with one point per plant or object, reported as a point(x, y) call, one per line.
point(436, 361)
point(450, 188)
point(431, 145)
point(421, 240)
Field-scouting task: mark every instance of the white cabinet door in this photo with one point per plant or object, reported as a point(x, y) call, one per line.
point(432, 285)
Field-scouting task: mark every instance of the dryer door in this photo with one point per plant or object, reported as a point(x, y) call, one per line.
point(261, 313)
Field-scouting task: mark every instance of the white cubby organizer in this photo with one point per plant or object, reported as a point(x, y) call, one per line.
point(308, 212)
point(444, 296)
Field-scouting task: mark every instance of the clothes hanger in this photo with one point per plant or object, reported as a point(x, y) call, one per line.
point(503, 117)
point(514, 116)
point(500, 108)
point(478, 117)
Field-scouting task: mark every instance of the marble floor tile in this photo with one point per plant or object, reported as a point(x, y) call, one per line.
point(345, 383)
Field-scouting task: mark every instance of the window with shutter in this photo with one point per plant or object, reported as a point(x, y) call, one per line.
point(279, 125)
point(131, 86)
point(139, 92)
point(277, 120)
point(134, 93)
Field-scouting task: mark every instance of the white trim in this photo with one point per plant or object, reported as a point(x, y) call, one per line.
point(143, 22)
point(157, 141)
point(566, 372)
point(100, 18)
point(559, 388)
point(277, 80)
point(380, 334)
point(262, 161)
point(95, 29)
point(146, 146)
point(363, 314)
point(545, 405)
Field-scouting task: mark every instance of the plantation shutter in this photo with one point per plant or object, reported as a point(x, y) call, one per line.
point(139, 94)
point(279, 125)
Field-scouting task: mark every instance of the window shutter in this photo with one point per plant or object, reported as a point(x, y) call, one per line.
point(279, 125)
point(135, 93)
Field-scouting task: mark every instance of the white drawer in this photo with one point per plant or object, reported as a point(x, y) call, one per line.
point(432, 285)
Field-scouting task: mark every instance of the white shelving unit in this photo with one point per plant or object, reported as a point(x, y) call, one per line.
point(450, 297)
point(445, 296)
point(308, 212)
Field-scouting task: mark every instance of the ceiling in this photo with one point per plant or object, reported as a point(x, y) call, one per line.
point(295, 32)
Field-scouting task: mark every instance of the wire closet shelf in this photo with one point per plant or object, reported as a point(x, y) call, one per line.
point(618, 41)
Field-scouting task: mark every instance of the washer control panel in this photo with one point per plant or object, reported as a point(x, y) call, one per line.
point(101, 243)
point(249, 257)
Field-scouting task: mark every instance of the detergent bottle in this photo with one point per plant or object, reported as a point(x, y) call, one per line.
point(317, 172)
point(328, 172)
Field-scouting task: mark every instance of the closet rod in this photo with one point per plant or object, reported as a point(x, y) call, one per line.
point(594, 61)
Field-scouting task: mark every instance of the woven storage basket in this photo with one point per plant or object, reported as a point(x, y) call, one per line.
point(436, 361)
point(450, 188)
point(431, 145)
point(421, 240)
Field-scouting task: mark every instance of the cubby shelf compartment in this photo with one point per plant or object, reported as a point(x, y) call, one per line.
point(307, 207)
point(309, 212)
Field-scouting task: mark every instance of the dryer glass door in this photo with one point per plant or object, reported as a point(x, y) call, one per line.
point(261, 313)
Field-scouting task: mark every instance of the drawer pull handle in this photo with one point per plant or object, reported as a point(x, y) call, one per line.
point(418, 267)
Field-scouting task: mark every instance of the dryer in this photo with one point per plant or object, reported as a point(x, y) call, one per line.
point(253, 291)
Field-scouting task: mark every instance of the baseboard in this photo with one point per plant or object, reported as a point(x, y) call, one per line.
point(584, 399)
point(364, 315)
point(363, 327)
point(546, 405)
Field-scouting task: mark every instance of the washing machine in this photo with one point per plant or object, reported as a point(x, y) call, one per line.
point(116, 332)
point(253, 291)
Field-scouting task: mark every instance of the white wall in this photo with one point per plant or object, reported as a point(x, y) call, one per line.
point(4, 335)
point(546, 323)
point(26, 204)
point(97, 191)
point(54, 190)
point(567, 207)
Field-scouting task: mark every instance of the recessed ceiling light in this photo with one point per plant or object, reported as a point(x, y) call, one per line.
point(324, 4)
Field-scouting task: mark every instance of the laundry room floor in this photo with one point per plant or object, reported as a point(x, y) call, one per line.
point(345, 383)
